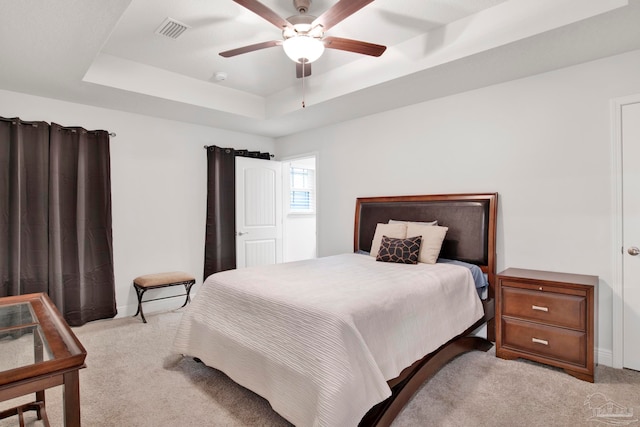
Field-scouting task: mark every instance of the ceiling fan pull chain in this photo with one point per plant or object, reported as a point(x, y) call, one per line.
point(303, 73)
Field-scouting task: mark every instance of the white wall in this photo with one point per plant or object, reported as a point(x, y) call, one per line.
point(299, 237)
point(543, 143)
point(158, 172)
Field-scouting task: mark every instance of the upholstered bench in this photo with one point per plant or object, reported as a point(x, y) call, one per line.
point(162, 280)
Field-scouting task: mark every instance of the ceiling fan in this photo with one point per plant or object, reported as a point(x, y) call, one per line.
point(303, 36)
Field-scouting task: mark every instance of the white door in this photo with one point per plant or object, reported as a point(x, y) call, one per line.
point(630, 135)
point(258, 212)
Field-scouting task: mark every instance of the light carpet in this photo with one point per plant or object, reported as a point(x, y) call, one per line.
point(133, 379)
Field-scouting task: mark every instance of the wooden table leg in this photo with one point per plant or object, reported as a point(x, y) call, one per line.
point(38, 348)
point(40, 398)
point(72, 399)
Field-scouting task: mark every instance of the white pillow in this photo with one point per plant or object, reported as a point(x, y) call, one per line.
point(432, 238)
point(394, 221)
point(396, 231)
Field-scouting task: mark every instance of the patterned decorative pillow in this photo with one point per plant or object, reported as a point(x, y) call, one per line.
point(403, 251)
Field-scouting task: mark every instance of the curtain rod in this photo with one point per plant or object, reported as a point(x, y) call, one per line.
point(206, 147)
point(74, 130)
point(16, 121)
point(4, 119)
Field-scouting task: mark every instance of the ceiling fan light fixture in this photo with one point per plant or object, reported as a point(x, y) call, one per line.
point(303, 48)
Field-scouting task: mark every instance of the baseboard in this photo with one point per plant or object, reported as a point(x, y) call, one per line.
point(604, 357)
point(150, 307)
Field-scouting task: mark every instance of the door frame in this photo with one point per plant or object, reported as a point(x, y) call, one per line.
point(617, 286)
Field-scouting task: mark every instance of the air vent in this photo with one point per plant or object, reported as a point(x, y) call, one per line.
point(171, 28)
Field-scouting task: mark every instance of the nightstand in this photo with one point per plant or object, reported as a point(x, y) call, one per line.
point(547, 317)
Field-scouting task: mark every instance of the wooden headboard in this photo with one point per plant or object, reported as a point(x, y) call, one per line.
point(471, 219)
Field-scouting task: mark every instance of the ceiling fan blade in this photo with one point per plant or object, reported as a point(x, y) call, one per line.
point(250, 48)
point(299, 69)
point(264, 12)
point(356, 46)
point(338, 12)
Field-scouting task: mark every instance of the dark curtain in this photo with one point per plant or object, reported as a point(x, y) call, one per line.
point(220, 235)
point(56, 216)
point(81, 280)
point(24, 197)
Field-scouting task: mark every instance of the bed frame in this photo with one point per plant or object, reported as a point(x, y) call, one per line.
point(471, 237)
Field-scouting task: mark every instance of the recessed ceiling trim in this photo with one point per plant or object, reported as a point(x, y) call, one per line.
point(119, 73)
point(171, 28)
point(497, 26)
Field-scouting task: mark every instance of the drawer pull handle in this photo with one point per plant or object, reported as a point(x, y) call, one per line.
point(539, 341)
point(537, 307)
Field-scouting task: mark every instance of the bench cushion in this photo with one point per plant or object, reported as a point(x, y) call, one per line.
point(158, 279)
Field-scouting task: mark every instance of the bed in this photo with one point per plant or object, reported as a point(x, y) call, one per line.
point(346, 340)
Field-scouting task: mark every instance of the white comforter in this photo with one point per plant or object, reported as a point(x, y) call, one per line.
point(319, 338)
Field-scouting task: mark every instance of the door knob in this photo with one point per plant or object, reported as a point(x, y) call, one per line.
point(633, 250)
point(240, 233)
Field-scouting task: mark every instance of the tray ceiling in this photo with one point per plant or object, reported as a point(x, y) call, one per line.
point(111, 54)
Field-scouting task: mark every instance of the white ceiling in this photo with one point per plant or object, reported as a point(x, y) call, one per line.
point(107, 53)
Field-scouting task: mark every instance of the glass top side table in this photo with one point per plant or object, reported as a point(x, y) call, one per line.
point(38, 350)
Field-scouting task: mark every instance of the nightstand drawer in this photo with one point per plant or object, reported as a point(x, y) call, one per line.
point(569, 311)
point(547, 341)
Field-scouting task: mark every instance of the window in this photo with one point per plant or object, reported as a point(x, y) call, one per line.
point(302, 192)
